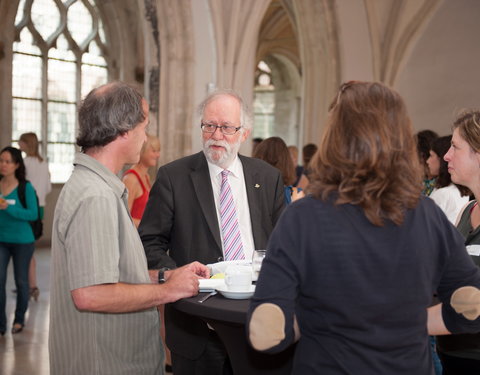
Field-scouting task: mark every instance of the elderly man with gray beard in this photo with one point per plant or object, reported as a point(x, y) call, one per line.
point(211, 206)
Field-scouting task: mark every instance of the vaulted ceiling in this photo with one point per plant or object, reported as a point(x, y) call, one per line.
point(278, 33)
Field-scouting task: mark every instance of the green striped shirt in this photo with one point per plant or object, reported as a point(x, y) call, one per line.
point(94, 241)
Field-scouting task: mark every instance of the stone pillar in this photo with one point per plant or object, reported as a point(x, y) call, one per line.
point(8, 10)
point(318, 39)
point(175, 78)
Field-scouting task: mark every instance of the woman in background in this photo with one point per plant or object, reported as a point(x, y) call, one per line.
point(38, 174)
point(137, 179)
point(449, 197)
point(274, 151)
point(351, 269)
point(425, 140)
point(308, 151)
point(16, 236)
point(301, 181)
point(460, 354)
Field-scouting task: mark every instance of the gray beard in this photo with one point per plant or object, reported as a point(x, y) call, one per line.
point(221, 159)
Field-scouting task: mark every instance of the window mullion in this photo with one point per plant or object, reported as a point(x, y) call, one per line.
point(44, 144)
point(78, 91)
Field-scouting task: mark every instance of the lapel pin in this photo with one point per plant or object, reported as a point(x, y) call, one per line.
point(257, 186)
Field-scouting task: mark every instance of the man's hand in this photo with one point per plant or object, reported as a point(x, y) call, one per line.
point(183, 282)
point(199, 269)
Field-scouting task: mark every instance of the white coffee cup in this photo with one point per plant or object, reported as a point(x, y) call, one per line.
point(238, 278)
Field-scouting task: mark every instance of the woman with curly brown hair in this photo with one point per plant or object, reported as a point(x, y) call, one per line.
point(352, 268)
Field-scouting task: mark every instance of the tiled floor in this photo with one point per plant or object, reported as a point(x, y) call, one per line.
point(26, 353)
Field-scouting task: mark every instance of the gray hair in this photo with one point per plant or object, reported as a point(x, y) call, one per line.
point(246, 118)
point(107, 112)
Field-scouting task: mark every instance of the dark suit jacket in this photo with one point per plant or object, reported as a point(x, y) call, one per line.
point(180, 219)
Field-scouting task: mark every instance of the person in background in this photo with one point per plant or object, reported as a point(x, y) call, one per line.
point(460, 354)
point(449, 197)
point(301, 180)
point(307, 153)
point(16, 236)
point(137, 179)
point(183, 220)
point(425, 140)
point(350, 269)
point(274, 151)
point(255, 142)
point(103, 305)
point(39, 175)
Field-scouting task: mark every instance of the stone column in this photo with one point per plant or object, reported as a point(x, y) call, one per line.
point(168, 67)
point(319, 49)
point(8, 10)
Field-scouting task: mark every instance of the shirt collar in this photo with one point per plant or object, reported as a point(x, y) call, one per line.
point(102, 171)
point(235, 168)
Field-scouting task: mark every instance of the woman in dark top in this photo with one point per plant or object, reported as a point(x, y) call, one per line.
point(461, 354)
point(351, 269)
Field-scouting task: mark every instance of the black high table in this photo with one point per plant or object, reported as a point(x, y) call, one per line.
point(227, 317)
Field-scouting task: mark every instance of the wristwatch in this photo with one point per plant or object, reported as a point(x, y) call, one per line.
point(161, 274)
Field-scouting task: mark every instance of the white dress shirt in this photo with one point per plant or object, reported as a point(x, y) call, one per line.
point(236, 180)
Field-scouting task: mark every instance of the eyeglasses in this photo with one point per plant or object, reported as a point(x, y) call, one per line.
point(225, 129)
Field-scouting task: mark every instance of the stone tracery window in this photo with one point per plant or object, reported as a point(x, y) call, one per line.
point(58, 57)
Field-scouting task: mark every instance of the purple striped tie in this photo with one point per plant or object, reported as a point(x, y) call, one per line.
point(232, 241)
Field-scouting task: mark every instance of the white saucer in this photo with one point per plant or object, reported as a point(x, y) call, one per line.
point(244, 294)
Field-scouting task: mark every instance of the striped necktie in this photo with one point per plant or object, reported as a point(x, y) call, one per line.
point(232, 241)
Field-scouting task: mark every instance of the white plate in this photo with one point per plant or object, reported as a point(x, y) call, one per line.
point(245, 294)
point(209, 285)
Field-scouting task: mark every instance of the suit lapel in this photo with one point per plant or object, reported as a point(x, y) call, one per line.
point(253, 186)
point(203, 189)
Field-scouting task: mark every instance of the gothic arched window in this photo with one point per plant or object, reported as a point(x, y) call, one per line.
point(58, 57)
point(263, 102)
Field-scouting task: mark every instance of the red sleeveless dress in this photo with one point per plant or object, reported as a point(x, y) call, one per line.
point(140, 203)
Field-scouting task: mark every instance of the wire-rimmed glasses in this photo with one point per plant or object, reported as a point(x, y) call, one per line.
point(225, 129)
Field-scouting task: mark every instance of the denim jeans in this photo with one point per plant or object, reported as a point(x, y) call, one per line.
point(437, 365)
point(21, 254)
